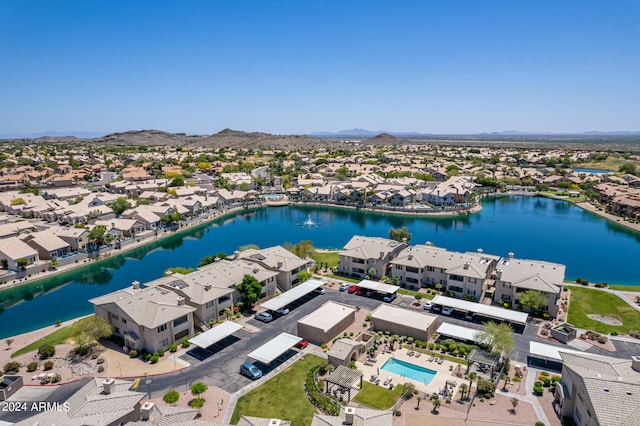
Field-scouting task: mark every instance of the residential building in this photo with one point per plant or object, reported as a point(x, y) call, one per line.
point(77, 238)
point(280, 260)
point(515, 276)
point(351, 416)
point(13, 249)
point(371, 256)
point(48, 245)
point(599, 390)
point(146, 318)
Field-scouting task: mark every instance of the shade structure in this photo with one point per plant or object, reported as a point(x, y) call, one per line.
point(459, 332)
point(378, 286)
point(217, 333)
point(274, 348)
point(292, 295)
point(548, 352)
point(481, 309)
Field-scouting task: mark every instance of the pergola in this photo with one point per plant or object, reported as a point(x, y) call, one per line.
point(341, 380)
point(484, 359)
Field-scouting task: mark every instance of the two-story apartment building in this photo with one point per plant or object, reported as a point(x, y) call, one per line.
point(515, 276)
point(362, 255)
point(148, 318)
point(464, 274)
point(599, 390)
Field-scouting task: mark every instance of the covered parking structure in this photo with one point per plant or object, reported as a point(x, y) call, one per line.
point(546, 356)
point(274, 348)
point(459, 333)
point(292, 295)
point(216, 334)
point(378, 287)
point(502, 314)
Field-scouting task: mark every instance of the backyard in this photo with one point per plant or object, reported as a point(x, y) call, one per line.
point(585, 301)
point(281, 397)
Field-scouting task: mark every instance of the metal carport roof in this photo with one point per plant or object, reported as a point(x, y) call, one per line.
point(274, 348)
point(485, 310)
point(378, 286)
point(292, 295)
point(548, 352)
point(458, 332)
point(217, 333)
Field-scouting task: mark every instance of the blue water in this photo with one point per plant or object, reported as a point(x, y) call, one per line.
point(592, 171)
point(531, 227)
point(406, 369)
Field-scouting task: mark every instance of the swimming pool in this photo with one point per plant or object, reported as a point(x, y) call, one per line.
point(406, 369)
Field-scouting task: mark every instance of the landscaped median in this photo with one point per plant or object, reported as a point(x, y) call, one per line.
point(586, 301)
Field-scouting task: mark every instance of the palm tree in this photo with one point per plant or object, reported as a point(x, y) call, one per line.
point(435, 400)
point(463, 390)
point(514, 403)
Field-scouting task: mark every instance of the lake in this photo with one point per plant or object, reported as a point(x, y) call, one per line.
point(531, 227)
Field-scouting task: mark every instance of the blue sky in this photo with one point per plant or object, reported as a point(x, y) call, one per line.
point(303, 66)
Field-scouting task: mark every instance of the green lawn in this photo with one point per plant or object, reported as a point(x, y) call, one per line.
point(378, 397)
point(343, 278)
point(58, 337)
point(331, 257)
point(585, 301)
point(629, 288)
point(281, 397)
point(414, 293)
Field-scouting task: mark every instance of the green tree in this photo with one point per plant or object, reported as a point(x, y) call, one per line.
point(119, 205)
point(93, 328)
point(398, 234)
point(304, 249)
point(46, 350)
point(22, 263)
point(542, 187)
point(629, 168)
point(304, 276)
point(514, 404)
point(97, 234)
point(499, 337)
point(435, 400)
point(198, 388)
point(250, 289)
point(171, 397)
point(532, 299)
point(177, 181)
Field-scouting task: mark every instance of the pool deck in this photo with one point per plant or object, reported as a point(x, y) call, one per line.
point(437, 383)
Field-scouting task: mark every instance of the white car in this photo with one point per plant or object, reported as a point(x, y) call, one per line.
point(320, 290)
point(447, 310)
point(282, 311)
point(427, 305)
point(344, 287)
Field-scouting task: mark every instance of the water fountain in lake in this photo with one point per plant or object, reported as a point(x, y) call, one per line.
point(309, 221)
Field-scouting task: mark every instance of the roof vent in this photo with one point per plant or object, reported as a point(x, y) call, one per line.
point(410, 257)
point(466, 265)
point(135, 285)
point(511, 255)
point(108, 385)
point(429, 243)
point(180, 301)
point(480, 250)
point(279, 264)
point(145, 410)
point(207, 287)
point(274, 422)
point(349, 414)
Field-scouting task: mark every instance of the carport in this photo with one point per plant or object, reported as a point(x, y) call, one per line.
point(458, 332)
point(292, 295)
point(378, 287)
point(275, 347)
point(547, 356)
point(216, 334)
point(494, 312)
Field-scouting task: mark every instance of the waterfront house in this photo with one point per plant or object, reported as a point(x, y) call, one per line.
point(48, 245)
point(77, 238)
point(125, 227)
point(146, 318)
point(13, 249)
point(362, 255)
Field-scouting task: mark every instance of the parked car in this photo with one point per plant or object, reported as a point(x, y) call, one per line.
point(390, 297)
point(282, 311)
point(447, 310)
point(264, 316)
point(427, 305)
point(361, 292)
point(320, 290)
point(302, 344)
point(353, 289)
point(468, 317)
point(251, 371)
point(344, 287)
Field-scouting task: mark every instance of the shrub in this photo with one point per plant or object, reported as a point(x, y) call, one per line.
point(367, 318)
point(100, 361)
point(32, 366)
point(173, 347)
point(196, 403)
point(546, 382)
point(161, 352)
point(185, 343)
point(542, 424)
point(171, 397)
point(153, 359)
point(365, 325)
point(100, 369)
point(46, 350)
point(324, 346)
point(48, 365)
point(544, 373)
point(198, 388)
point(397, 413)
point(11, 367)
point(133, 353)
point(516, 379)
point(556, 379)
point(147, 356)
